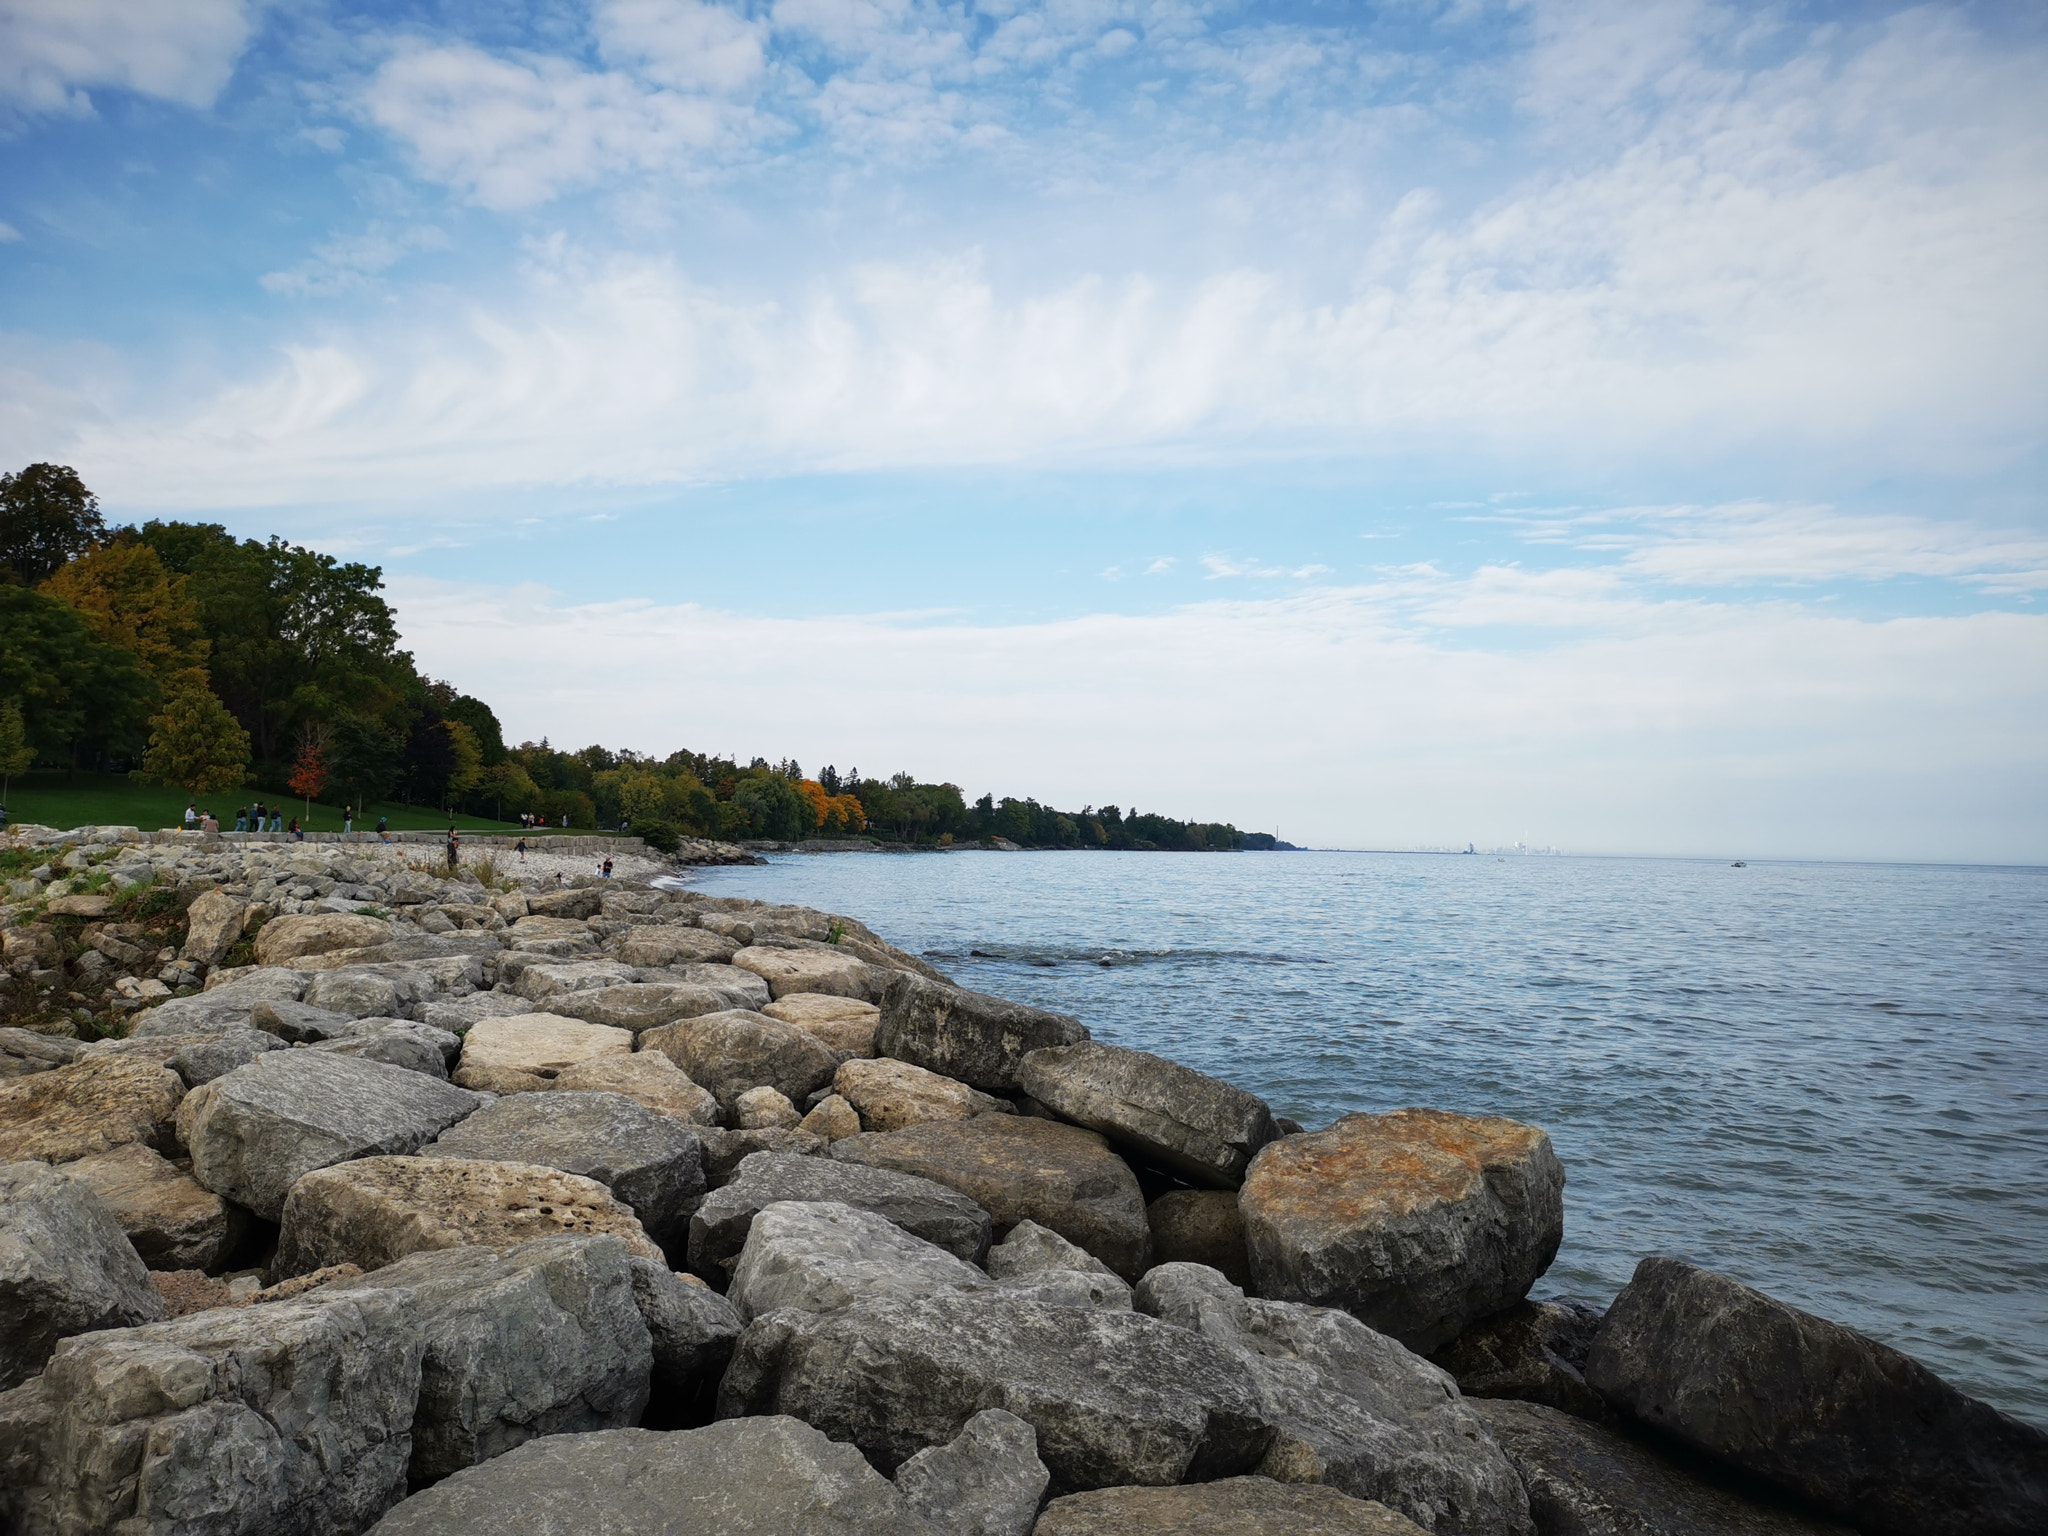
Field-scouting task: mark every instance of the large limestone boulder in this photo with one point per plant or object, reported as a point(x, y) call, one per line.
point(789, 971)
point(1535, 1351)
point(170, 1218)
point(572, 905)
point(548, 979)
point(1170, 1115)
point(1592, 1481)
point(1860, 1430)
point(284, 939)
point(369, 991)
point(213, 926)
point(655, 947)
point(639, 1005)
point(646, 1077)
point(98, 1102)
point(1035, 1262)
point(542, 1339)
point(1353, 1409)
point(888, 1095)
point(298, 1023)
point(1418, 1222)
point(740, 989)
point(987, 1481)
point(979, 1039)
point(254, 1133)
point(539, 1044)
point(376, 1210)
point(1114, 1397)
point(1233, 1506)
point(457, 1014)
point(729, 1052)
point(766, 1475)
point(725, 1150)
point(649, 1161)
point(1201, 1226)
point(846, 1024)
point(291, 1419)
point(66, 1267)
point(816, 1256)
point(938, 1215)
point(1022, 1169)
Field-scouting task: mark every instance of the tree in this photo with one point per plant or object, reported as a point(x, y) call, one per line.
point(362, 756)
point(15, 752)
point(131, 601)
point(194, 742)
point(466, 770)
point(73, 689)
point(309, 772)
point(47, 517)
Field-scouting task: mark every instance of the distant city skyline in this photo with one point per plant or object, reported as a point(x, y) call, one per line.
point(1408, 424)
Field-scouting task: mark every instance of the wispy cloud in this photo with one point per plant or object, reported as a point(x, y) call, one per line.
point(54, 52)
point(347, 263)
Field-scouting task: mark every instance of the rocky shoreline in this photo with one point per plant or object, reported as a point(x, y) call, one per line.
point(516, 1200)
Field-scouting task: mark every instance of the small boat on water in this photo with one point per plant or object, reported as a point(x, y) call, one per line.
point(1739, 864)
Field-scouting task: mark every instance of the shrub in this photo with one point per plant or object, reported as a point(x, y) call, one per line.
point(659, 834)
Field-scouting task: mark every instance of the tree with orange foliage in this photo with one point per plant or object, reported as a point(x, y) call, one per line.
point(309, 774)
point(833, 815)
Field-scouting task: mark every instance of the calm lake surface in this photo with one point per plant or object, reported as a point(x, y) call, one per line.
point(1830, 1081)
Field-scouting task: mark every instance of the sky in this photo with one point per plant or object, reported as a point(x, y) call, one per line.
point(1616, 427)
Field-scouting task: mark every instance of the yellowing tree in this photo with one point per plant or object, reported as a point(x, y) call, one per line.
point(15, 751)
point(122, 590)
point(468, 771)
point(194, 742)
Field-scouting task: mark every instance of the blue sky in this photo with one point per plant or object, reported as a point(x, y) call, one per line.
point(1618, 427)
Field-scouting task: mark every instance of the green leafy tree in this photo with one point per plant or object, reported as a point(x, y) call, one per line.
point(362, 757)
point(15, 752)
point(47, 517)
point(773, 807)
point(466, 759)
point(194, 743)
point(132, 602)
point(76, 693)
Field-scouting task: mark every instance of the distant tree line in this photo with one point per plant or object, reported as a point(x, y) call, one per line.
point(186, 656)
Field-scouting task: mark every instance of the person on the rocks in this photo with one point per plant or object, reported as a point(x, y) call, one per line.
point(454, 848)
point(522, 850)
point(606, 868)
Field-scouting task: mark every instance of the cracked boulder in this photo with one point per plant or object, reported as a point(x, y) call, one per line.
point(172, 1221)
point(816, 1256)
point(66, 1267)
point(1170, 1115)
point(979, 1039)
point(731, 1051)
point(100, 1101)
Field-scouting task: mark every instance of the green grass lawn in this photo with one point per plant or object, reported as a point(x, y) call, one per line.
point(112, 799)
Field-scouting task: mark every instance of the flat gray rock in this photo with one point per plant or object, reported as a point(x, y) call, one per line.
point(289, 1419)
point(1114, 1397)
point(815, 1256)
point(1354, 1409)
point(1588, 1480)
point(640, 1005)
point(1863, 1432)
point(648, 1160)
point(979, 1039)
point(1171, 1115)
point(456, 1014)
point(66, 1267)
point(23, 1051)
point(1418, 1223)
point(542, 1339)
point(942, 1216)
point(747, 1477)
point(298, 1023)
point(369, 991)
point(196, 1058)
point(1019, 1168)
point(987, 1481)
point(255, 1132)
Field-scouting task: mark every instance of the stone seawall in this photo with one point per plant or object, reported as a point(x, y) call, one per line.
point(478, 1209)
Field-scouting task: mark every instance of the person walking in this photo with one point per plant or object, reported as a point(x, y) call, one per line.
point(277, 820)
point(348, 820)
point(454, 849)
point(522, 850)
point(607, 866)
point(241, 818)
point(384, 828)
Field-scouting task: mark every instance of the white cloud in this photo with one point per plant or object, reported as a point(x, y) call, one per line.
point(517, 132)
point(53, 51)
point(1665, 727)
point(1163, 566)
point(347, 263)
point(683, 44)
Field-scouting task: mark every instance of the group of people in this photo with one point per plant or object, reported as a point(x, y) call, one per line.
point(528, 820)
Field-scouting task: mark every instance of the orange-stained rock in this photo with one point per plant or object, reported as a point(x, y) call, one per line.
point(1416, 1222)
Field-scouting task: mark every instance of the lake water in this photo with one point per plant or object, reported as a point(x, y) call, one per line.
point(1827, 1080)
